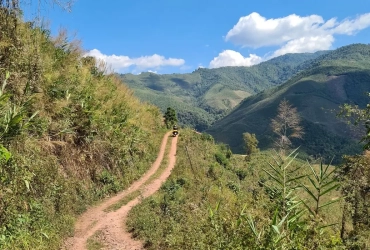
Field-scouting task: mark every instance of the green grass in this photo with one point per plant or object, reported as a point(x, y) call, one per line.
point(179, 215)
point(163, 166)
point(93, 243)
point(123, 201)
point(91, 138)
point(137, 193)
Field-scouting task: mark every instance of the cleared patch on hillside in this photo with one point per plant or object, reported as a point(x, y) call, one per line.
point(223, 98)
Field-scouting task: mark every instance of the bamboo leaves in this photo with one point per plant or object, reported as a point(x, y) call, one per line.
point(322, 182)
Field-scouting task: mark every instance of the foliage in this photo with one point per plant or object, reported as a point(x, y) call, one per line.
point(206, 95)
point(251, 143)
point(322, 183)
point(237, 206)
point(70, 135)
point(358, 116)
point(170, 117)
point(355, 176)
point(316, 92)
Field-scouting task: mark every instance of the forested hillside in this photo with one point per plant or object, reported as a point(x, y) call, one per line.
point(69, 134)
point(206, 95)
point(341, 76)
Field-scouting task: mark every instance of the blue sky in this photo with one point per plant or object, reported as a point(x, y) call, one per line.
point(178, 36)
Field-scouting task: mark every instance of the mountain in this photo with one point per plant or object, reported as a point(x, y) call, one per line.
point(338, 77)
point(206, 95)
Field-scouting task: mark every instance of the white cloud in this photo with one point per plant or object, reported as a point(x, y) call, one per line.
point(293, 33)
point(349, 27)
point(305, 44)
point(121, 63)
point(233, 58)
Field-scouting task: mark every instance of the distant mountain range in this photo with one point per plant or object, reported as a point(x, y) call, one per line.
point(206, 95)
point(317, 90)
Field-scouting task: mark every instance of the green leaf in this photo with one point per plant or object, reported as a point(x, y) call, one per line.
point(308, 191)
point(328, 183)
point(313, 183)
point(290, 161)
point(274, 219)
point(16, 120)
point(46, 236)
point(276, 229)
point(27, 184)
point(296, 178)
point(329, 189)
point(276, 171)
point(308, 208)
point(295, 150)
point(328, 175)
point(4, 154)
point(296, 217)
point(330, 202)
point(252, 226)
point(274, 178)
point(314, 172)
point(33, 116)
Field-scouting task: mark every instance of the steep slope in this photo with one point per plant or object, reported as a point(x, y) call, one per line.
point(69, 135)
point(206, 95)
point(341, 76)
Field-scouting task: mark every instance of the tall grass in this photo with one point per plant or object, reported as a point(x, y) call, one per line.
point(71, 134)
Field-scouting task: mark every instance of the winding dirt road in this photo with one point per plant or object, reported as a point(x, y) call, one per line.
point(112, 225)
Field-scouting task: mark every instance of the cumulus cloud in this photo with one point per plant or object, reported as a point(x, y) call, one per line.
point(233, 58)
point(122, 63)
point(305, 44)
point(256, 31)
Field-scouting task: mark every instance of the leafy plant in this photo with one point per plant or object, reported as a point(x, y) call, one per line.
point(323, 182)
point(170, 117)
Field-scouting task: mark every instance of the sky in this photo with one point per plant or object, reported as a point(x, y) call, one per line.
point(179, 36)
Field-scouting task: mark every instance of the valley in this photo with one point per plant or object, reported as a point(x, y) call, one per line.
point(112, 148)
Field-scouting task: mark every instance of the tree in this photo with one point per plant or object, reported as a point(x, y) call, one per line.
point(170, 117)
point(286, 125)
point(355, 179)
point(358, 116)
point(250, 143)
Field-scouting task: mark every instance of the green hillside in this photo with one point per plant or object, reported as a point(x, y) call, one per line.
point(341, 76)
point(70, 135)
point(206, 95)
point(216, 200)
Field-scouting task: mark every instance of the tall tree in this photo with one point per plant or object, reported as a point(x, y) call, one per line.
point(355, 179)
point(286, 125)
point(170, 117)
point(250, 143)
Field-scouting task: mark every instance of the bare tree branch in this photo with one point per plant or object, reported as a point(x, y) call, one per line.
point(286, 125)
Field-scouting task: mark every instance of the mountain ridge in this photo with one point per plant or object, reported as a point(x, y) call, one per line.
point(317, 93)
point(206, 95)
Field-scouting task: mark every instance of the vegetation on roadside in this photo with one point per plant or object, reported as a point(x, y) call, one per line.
point(70, 134)
point(170, 117)
point(272, 201)
point(214, 200)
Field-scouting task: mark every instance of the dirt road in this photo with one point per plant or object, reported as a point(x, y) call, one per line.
point(111, 225)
